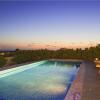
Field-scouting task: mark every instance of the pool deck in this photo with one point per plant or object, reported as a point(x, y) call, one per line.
point(86, 86)
point(91, 86)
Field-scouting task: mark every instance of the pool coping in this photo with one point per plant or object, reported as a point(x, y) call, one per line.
point(75, 90)
point(17, 65)
point(21, 68)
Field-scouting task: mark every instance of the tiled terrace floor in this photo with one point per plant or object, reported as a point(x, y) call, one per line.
point(91, 85)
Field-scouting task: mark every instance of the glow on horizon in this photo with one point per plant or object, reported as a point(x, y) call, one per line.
point(54, 46)
point(49, 24)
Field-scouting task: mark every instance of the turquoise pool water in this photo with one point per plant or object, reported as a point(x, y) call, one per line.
point(45, 80)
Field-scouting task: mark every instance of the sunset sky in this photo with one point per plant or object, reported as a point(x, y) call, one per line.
point(49, 24)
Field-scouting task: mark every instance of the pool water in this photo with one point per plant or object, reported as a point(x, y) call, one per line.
point(48, 80)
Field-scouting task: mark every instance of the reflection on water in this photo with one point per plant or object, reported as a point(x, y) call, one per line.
point(48, 81)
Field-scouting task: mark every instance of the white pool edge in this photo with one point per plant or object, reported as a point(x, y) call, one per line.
point(21, 68)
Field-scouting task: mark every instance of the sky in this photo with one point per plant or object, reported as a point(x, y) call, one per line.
point(49, 24)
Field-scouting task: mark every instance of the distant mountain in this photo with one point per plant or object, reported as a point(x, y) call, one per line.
point(7, 49)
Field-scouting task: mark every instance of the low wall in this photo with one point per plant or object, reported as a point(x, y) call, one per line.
point(75, 91)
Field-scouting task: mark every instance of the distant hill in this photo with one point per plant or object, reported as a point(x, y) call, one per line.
point(7, 50)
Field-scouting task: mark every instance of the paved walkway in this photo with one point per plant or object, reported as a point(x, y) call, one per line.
point(91, 85)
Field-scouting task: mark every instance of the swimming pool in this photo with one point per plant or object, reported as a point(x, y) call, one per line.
point(44, 80)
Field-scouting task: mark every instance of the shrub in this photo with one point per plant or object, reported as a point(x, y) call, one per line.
point(2, 61)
